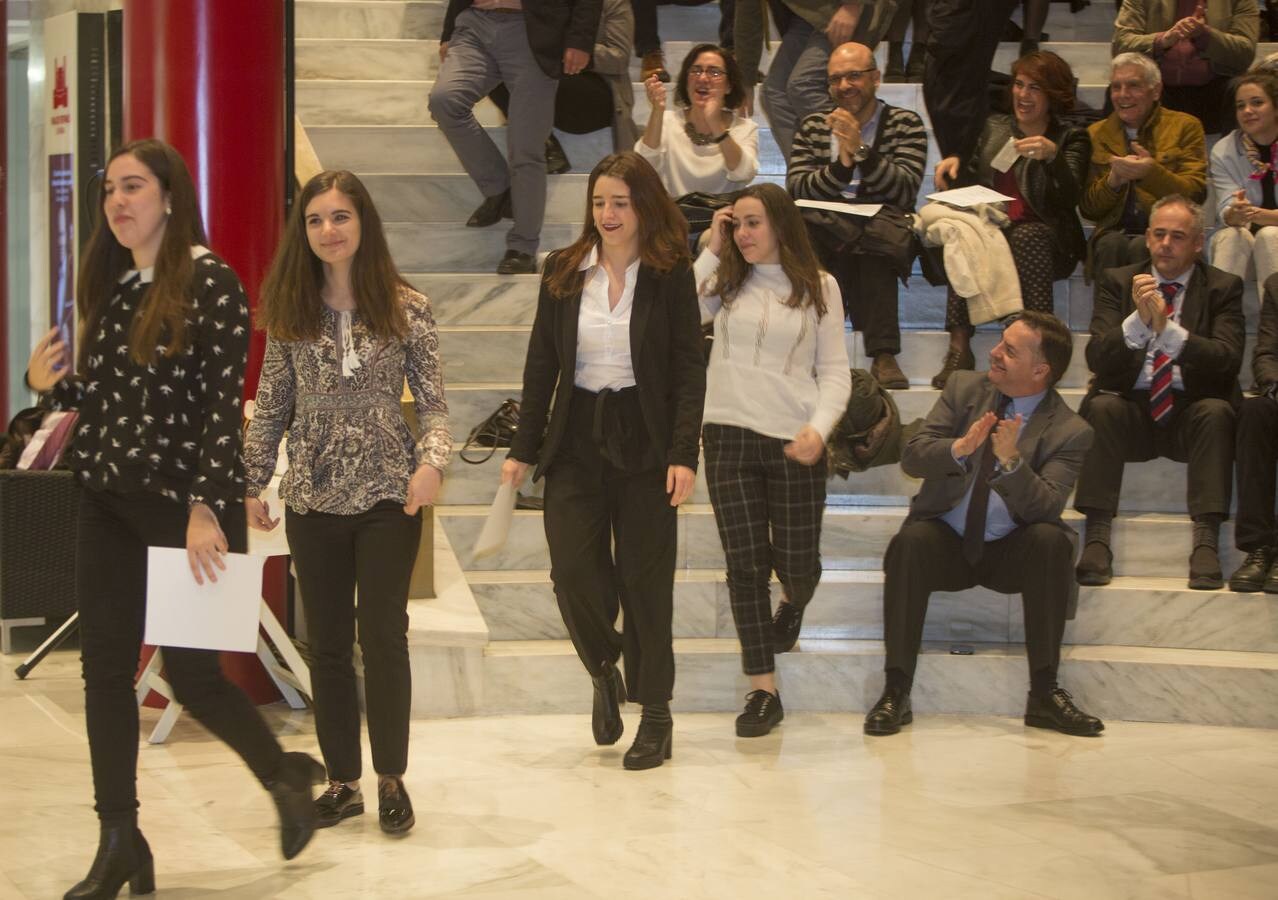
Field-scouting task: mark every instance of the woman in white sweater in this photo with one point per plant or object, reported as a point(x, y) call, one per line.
point(1242, 178)
point(776, 386)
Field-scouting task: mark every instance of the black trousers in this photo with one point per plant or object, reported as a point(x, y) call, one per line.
point(768, 509)
point(612, 537)
point(1200, 433)
point(1035, 561)
point(113, 533)
point(373, 553)
point(869, 288)
point(583, 102)
point(1116, 248)
point(647, 38)
point(1257, 445)
point(961, 42)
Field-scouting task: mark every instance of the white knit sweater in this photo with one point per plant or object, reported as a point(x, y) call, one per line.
point(685, 167)
point(774, 368)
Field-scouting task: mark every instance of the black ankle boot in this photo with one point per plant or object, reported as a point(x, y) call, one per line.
point(652, 741)
point(605, 718)
point(291, 791)
point(123, 855)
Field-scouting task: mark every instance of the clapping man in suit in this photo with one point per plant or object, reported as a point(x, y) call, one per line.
point(1166, 347)
point(998, 455)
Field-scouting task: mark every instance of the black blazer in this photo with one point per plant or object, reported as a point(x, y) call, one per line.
point(1264, 359)
point(1211, 313)
point(553, 26)
point(666, 352)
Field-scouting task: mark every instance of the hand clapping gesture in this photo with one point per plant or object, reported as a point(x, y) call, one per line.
point(1240, 211)
point(844, 127)
point(975, 437)
point(1151, 305)
point(656, 92)
point(1003, 440)
point(1133, 167)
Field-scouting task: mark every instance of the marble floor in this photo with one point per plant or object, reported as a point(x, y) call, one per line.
point(527, 807)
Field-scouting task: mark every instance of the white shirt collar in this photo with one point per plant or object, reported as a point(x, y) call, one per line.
point(592, 260)
point(148, 274)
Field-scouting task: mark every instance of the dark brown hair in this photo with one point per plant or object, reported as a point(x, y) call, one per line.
point(1053, 75)
point(735, 95)
point(1056, 344)
point(798, 260)
point(291, 308)
point(161, 314)
point(663, 231)
point(1264, 79)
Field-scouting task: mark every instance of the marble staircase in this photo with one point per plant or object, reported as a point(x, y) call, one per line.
point(1143, 648)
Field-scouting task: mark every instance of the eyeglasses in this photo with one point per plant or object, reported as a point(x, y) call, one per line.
point(714, 73)
point(856, 75)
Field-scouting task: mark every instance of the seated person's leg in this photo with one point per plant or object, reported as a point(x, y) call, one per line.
point(1257, 447)
point(1264, 254)
point(1111, 250)
point(532, 112)
point(959, 354)
point(1231, 250)
point(1032, 245)
point(1137, 250)
point(873, 307)
point(1201, 434)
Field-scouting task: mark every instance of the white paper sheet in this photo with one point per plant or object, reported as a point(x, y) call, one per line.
point(965, 197)
point(211, 616)
point(850, 209)
point(497, 525)
point(273, 542)
point(1007, 157)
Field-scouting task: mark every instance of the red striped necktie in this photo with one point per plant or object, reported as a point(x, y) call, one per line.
point(1160, 392)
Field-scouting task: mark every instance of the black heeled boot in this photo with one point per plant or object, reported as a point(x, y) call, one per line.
point(605, 717)
point(652, 741)
point(291, 791)
point(123, 856)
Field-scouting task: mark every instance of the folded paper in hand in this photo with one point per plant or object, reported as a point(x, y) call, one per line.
point(869, 210)
point(221, 615)
point(966, 197)
point(497, 525)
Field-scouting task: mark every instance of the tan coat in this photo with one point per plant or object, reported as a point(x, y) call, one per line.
point(1231, 43)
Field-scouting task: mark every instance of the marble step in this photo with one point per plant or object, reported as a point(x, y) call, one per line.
point(1141, 612)
point(1146, 545)
point(452, 248)
point(1145, 684)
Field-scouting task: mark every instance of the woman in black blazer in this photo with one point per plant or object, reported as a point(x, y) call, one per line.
point(617, 344)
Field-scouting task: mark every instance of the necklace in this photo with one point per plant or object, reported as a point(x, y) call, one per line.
point(700, 139)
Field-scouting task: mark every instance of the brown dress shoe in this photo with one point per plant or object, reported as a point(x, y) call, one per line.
point(653, 63)
point(886, 372)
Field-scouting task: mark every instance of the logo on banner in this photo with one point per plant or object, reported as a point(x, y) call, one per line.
point(61, 96)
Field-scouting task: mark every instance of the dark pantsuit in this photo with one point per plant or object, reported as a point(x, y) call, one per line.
point(1200, 433)
point(961, 43)
point(927, 555)
point(1041, 257)
point(1115, 248)
point(1257, 447)
point(869, 287)
point(335, 555)
point(612, 537)
point(768, 509)
point(113, 533)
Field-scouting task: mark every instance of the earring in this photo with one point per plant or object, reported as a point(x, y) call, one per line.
point(168, 209)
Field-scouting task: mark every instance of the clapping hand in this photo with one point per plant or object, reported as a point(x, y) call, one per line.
point(1006, 433)
point(975, 437)
point(1240, 211)
point(1132, 167)
point(844, 126)
point(1151, 306)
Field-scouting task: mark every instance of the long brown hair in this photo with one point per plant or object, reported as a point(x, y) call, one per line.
point(798, 260)
point(663, 231)
point(291, 309)
point(163, 309)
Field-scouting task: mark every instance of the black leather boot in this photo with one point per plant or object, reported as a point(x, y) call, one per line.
point(123, 856)
point(605, 717)
point(291, 791)
point(652, 742)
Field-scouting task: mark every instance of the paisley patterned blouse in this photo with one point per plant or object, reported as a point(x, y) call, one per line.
point(348, 444)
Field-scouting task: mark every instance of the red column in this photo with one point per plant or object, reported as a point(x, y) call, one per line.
point(207, 76)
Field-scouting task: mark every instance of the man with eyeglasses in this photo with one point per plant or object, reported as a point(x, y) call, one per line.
point(796, 83)
point(863, 151)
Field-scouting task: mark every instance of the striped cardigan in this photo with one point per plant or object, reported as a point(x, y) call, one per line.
point(891, 174)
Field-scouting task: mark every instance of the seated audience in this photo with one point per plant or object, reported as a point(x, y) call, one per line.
point(1044, 179)
point(1198, 46)
point(1242, 177)
point(998, 455)
point(862, 151)
point(1140, 152)
point(1166, 346)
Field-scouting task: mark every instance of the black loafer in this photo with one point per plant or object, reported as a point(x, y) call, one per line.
point(516, 263)
point(337, 803)
point(786, 623)
point(1251, 576)
point(394, 809)
point(890, 713)
point(1058, 711)
point(491, 211)
point(651, 747)
point(605, 716)
point(1204, 570)
point(762, 713)
point(1095, 565)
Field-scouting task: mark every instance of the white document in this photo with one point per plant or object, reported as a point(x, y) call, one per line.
point(273, 542)
point(1006, 157)
point(497, 525)
point(966, 197)
point(221, 615)
point(849, 209)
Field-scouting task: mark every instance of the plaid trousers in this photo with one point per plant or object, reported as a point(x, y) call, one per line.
point(768, 509)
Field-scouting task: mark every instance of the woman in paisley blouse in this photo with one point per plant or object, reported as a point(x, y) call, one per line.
point(163, 345)
point(344, 331)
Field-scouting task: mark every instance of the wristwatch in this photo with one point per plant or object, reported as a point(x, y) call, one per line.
point(861, 153)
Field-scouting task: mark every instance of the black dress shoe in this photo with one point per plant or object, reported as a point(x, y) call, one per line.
point(1057, 711)
point(786, 622)
point(394, 809)
point(651, 747)
point(605, 715)
point(291, 791)
point(1254, 571)
point(890, 713)
point(340, 801)
point(123, 856)
point(1095, 565)
point(1204, 570)
point(954, 360)
point(762, 713)
point(516, 263)
point(556, 159)
point(1271, 583)
point(491, 211)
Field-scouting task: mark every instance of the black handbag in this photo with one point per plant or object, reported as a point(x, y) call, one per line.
point(699, 207)
point(497, 431)
point(888, 233)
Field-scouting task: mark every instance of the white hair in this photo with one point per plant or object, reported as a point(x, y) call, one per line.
point(1153, 77)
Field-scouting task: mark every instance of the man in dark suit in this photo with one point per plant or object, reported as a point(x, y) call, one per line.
point(998, 455)
point(1167, 343)
point(1257, 446)
point(528, 45)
